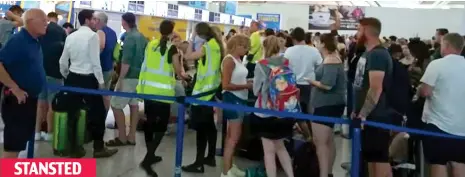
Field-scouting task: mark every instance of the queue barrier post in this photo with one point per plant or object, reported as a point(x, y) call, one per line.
point(356, 125)
point(179, 135)
point(30, 147)
point(224, 127)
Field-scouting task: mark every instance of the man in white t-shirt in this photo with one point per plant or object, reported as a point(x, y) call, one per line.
point(443, 85)
point(303, 60)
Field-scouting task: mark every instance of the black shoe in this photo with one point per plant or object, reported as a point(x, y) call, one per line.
point(104, 153)
point(157, 159)
point(210, 161)
point(79, 153)
point(152, 160)
point(147, 167)
point(194, 168)
point(60, 153)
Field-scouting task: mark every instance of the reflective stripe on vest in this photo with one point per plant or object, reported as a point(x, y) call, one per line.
point(159, 79)
point(156, 84)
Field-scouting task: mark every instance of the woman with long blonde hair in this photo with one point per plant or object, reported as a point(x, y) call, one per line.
point(273, 130)
point(235, 91)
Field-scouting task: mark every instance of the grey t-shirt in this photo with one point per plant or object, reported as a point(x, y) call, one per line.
point(6, 30)
point(377, 59)
point(331, 75)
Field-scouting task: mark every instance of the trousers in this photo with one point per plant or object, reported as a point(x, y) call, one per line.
point(96, 112)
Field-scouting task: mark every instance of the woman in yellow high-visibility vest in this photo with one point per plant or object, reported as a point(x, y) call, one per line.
point(208, 80)
point(157, 77)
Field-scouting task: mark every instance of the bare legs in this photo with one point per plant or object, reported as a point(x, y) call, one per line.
point(232, 137)
point(44, 111)
point(458, 170)
point(271, 148)
point(120, 119)
point(325, 148)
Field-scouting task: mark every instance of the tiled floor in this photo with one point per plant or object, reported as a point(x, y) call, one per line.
point(126, 162)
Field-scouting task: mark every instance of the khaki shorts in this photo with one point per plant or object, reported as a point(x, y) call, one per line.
point(128, 85)
point(48, 95)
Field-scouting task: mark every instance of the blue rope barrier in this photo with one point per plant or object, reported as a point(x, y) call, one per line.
point(193, 100)
point(355, 125)
point(110, 93)
point(268, 112)
point(410, 130)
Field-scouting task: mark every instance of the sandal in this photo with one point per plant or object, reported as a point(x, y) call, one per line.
point(129, 143)
point(115, 143)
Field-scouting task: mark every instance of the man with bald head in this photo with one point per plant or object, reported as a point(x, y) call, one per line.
point(108, 41)
point(22, 73)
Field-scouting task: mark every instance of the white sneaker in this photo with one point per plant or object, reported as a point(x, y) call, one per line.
point(46, 136)
point(37, 136)
point(230, 174)
point(236, 171)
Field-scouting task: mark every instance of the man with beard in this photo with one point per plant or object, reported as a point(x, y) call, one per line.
point(80, 66)
point(354, 54)
point(372, 77)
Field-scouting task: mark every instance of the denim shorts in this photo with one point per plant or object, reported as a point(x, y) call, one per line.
point(233, 115)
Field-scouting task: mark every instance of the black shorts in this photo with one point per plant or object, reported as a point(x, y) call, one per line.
point(272, 127)
point(375, 144)
point(158, 115)
point(440, 151)
point(333, 111)
point(305, 93)
point(20, 121)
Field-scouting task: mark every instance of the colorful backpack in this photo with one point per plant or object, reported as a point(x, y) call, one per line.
point(283, 93)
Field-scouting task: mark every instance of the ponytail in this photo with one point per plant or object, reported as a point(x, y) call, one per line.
point(166, 28)
point(220, 43)
point(210, 32)
point(215, 33)
point(163, 43)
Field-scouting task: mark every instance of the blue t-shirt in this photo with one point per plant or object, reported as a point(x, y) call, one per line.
point(23, 60)
point(106, 56)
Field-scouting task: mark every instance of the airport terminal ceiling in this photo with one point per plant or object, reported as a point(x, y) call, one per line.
point(398, 3)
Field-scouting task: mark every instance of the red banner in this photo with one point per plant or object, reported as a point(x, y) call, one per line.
point(48, 167)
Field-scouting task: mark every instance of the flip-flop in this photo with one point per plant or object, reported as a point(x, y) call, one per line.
point(129, 143)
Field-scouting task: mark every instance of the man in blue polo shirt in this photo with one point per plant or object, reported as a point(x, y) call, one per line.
point(22, 73)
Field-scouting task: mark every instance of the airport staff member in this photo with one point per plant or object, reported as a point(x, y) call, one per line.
point(22, 73)
point(256, 48)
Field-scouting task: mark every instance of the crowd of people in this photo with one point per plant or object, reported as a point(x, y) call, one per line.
point(397, 81)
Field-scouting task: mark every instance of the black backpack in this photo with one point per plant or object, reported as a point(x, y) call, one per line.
point(305, 161)
point(399, 92)
point(398, 89)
